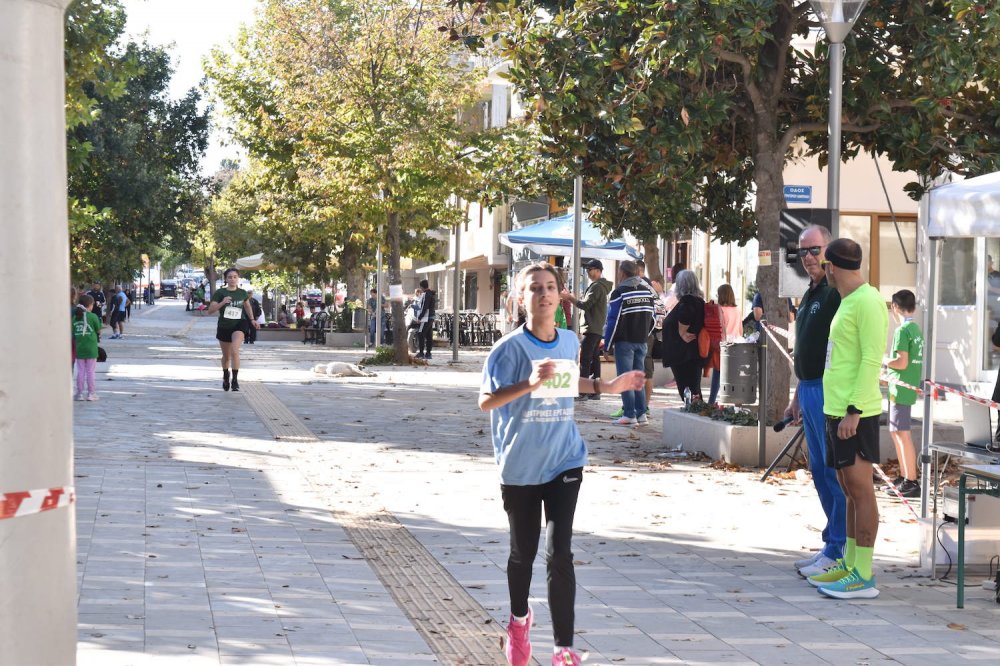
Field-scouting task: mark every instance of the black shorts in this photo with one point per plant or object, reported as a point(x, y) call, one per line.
point(226, 334)
point(841, 453)
point(117, 316)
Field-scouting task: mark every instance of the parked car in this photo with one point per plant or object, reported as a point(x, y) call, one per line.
point(313, 298)
point(168, 288)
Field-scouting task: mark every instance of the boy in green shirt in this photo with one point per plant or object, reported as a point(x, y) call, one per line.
point(906, 365)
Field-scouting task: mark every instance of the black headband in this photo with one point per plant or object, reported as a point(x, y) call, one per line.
point(843, 262)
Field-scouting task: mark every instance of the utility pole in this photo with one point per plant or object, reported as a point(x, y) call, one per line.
point(37, 537)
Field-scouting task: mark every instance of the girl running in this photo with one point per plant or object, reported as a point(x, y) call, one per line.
point(541, 455)
point(231, 302)
point(86, 334)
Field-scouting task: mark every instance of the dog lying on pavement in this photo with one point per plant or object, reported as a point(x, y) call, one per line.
point(341, 369)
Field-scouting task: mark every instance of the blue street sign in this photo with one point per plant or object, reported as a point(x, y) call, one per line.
point(798, 193)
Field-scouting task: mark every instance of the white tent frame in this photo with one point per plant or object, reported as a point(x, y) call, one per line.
point(966, 209)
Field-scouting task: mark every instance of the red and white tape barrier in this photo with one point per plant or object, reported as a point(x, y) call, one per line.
point(27, 502)
point(777, 329)
point(891, 380)
point(894, 490)
point(973, 398)
point(778, 343)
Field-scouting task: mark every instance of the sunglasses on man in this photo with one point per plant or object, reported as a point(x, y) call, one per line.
point(815, 250)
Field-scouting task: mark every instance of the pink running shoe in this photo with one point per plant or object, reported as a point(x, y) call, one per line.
point(518, 646)
point(566, 657)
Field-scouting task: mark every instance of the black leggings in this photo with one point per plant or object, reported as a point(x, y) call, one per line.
point(688, 375)
point(523, 505)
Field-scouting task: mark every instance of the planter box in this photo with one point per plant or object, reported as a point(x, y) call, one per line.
point(356, 339)
point(720, 440)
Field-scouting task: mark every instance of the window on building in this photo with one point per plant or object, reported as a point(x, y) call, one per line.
point(958, 272)
point(897, 265)
point(471, 290)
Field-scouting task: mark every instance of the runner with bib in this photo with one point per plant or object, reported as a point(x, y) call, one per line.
point(231, 303)
point(529, 382)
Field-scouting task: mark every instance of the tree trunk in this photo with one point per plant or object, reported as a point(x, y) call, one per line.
point(769, 182)
point(210, 277)
point(354, 278)
point(651, 249)
point(402, 351)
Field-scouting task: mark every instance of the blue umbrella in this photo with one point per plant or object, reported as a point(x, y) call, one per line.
point(555, 237)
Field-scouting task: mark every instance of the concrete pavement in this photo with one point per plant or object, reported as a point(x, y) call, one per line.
point(374, 529)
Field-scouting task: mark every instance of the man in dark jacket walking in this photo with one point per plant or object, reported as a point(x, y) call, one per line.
point(593, 314)
point(630, 320)
point(425, 315)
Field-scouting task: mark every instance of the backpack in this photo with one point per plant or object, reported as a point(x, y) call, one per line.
point(710, 335)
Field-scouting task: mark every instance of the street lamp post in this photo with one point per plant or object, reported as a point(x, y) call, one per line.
point(837, 18)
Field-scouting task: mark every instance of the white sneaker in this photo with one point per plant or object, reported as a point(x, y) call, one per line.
point(821, 564)
point(78, 397)
point(809, 560)
point(624, 420)
point(642, 420)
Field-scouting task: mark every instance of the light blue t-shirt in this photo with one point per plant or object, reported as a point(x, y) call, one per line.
point(534, 439)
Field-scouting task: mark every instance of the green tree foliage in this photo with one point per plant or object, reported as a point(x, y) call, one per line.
point(349, 110)
point(134, 152)
point(677, 107)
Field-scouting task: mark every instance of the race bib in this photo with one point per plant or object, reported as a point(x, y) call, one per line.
point(565, 383)
point(232, 312)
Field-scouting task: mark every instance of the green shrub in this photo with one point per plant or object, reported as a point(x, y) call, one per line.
point(734, 415)
point(344, 321)
point(383, 356)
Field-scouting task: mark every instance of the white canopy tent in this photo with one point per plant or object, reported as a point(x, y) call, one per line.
point(966, 209)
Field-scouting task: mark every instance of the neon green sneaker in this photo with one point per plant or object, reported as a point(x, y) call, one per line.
point(620, 413)
point(851, 586)
point(832, 574)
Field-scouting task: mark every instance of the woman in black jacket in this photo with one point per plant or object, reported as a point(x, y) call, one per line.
point(680, 334)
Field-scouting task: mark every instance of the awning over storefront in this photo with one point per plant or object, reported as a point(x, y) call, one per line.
point(475, 263)
point(967, 209)
point(555, 237)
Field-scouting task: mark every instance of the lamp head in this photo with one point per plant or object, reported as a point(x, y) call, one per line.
point(837, 16)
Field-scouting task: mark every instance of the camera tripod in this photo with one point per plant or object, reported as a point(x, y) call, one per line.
point(794, 446)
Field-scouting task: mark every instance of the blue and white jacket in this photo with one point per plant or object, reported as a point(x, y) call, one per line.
point(630, 313)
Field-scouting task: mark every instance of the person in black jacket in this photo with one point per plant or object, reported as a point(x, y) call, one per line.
point(629, 323)
point(425, 315)
point(680, 334)
point(251, 337)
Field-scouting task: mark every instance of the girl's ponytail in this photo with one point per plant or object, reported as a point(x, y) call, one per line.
point(86, 300)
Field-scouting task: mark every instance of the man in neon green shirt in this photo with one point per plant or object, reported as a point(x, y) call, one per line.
point(852, 403)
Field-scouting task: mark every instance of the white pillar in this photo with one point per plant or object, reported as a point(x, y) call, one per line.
point(37, 552)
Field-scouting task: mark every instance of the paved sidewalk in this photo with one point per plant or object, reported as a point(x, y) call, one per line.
point(203, 539)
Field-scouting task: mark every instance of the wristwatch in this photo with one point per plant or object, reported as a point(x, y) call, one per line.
point(851, 409)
